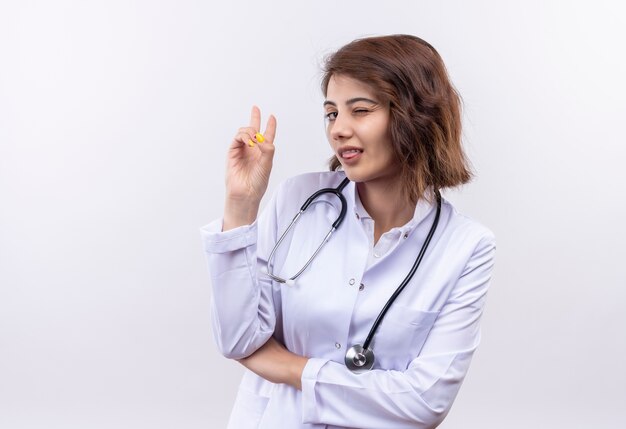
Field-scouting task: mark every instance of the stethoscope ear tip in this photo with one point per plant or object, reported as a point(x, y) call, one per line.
point(290, 282)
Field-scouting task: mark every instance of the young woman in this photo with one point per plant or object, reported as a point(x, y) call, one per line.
point(394, 127)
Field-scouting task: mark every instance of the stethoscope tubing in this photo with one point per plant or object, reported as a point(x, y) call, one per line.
point(408, 277)
point(342, 215)
point(338, 193)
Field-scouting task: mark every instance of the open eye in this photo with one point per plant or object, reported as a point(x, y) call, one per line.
point(330, 116)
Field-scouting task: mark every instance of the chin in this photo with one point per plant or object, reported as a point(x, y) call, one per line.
point(357, 175)
point(354, 176)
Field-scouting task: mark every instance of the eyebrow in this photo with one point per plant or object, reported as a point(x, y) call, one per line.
point(351, 101)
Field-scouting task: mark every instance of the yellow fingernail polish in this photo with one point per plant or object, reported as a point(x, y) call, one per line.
point(250, 143)
point(259, 137)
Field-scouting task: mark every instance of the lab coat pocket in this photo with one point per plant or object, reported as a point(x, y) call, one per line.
point(402, 335)
point(248, 410)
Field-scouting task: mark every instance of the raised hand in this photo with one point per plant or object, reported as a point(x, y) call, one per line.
point(248, 168)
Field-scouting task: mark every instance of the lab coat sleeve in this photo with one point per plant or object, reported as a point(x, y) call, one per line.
point(421, 395)
point(243, 311)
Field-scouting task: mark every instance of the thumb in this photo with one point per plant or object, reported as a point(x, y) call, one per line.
point(266, 148)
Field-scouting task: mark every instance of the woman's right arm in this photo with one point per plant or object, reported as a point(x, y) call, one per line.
point(243, 309)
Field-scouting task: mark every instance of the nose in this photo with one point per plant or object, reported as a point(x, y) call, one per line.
point(340, 128)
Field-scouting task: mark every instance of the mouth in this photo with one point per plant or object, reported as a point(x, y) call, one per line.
point(348, 153)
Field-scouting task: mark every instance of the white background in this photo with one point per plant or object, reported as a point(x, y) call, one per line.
point(114, 120)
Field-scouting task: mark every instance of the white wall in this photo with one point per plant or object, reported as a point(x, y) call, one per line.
point(114, 119)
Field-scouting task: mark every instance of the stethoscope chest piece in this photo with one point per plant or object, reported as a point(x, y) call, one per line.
point(358, 359)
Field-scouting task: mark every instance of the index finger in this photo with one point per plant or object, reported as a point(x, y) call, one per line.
point(255, 118)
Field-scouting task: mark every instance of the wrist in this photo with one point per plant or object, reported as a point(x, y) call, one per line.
point(295, 371)
point(239, 212)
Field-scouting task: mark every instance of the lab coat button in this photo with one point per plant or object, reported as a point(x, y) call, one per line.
point(351, 282)
point(376, 255)
point(362, 286)
point(337, 346)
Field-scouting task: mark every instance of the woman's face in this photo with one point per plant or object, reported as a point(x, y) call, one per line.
point(357, 126)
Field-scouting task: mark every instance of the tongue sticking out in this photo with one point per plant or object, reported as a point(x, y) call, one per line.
point(349, 154)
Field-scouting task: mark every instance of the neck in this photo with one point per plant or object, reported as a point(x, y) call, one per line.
point(386, 204)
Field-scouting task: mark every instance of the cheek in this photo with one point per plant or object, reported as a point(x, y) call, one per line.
point(381, 140)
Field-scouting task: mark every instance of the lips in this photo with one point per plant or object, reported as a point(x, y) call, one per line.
point(349, 152)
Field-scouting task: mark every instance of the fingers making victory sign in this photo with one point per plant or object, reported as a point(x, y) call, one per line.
point(249, 164)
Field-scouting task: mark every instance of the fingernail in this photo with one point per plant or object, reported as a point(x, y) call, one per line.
point(259, 137)
point(250, 143)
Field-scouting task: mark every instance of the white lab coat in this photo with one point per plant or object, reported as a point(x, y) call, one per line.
point(423, 346)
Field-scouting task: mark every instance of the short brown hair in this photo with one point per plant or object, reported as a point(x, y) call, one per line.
point(425, 108)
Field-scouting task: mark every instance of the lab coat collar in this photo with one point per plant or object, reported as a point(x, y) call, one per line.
point(422, 208)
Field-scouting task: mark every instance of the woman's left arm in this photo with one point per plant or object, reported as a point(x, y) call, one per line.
point(275, 363)
point(418, 397)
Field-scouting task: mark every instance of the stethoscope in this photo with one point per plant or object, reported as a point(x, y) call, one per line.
point(359, 358)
